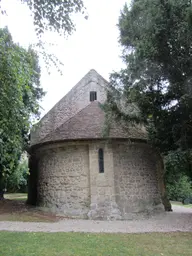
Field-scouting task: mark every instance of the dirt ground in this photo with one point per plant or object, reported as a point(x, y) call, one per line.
point(15, 215)
point(17, 210)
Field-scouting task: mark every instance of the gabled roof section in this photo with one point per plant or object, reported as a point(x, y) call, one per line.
point(73, 102)
point(91, 76)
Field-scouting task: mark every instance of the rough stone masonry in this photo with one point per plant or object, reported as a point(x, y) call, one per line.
point(77, 172)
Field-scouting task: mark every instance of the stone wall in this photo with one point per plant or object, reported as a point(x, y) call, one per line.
point(136, 181)
point(69, 181)
point(103, 205)
point(63, 181)
point(77, 99)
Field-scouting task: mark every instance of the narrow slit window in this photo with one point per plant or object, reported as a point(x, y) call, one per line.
point(101, 160)
point(93, 96)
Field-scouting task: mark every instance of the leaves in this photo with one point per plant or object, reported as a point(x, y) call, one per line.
point(54, 15)
point(157, 48)
point(17, 180)
point(20, 93)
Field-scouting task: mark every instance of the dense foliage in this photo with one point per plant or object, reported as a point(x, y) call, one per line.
point(178, 175)
point(157, 49)
point(17, 181)
point(20, 90)
point(20, 93)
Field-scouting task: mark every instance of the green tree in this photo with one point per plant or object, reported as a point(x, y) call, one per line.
point(157, 40)
point(156, 37)
point(20, 93)
point(17, 181)
point(53, 15)
point(178, 176)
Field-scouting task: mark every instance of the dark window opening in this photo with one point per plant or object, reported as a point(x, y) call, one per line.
point(101, 160)
point(93, 96)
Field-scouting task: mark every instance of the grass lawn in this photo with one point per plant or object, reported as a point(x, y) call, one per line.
point(81, 244)
point(179, 203)
point(16, 196)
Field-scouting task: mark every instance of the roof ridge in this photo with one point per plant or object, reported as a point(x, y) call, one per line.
point(91, 103)
point(73, 88)
point(100, 76)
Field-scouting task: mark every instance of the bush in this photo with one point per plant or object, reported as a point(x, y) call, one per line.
point(17, 181)
point(180, 189)
point(178, 174)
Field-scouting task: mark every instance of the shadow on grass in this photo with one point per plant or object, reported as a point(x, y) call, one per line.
point(14, 208)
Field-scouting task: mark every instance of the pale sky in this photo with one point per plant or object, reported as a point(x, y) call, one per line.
point(94, 44)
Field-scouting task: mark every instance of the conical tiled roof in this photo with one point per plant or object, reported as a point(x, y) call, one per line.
point(89, 123)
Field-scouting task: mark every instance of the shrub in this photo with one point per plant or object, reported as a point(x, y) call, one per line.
point(180, 189)
point(17, 181)
point(178, 174)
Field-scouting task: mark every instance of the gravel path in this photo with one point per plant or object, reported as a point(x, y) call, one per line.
point(178, 220)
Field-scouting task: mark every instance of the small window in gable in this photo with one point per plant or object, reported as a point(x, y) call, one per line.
point(101, 160)
point(93, 96)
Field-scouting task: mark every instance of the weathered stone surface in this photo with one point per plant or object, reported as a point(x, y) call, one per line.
point(64, 161)
point(136, 181)
point(77, 99)
point(63, 182)
point(69, 181)
point(103, 205)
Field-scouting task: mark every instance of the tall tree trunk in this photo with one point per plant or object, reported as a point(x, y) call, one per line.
point(161, 182)
point(32, 180)
point(1, 195)
point(1, 187)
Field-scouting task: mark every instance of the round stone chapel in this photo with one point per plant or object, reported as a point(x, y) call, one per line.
point(77, 171)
